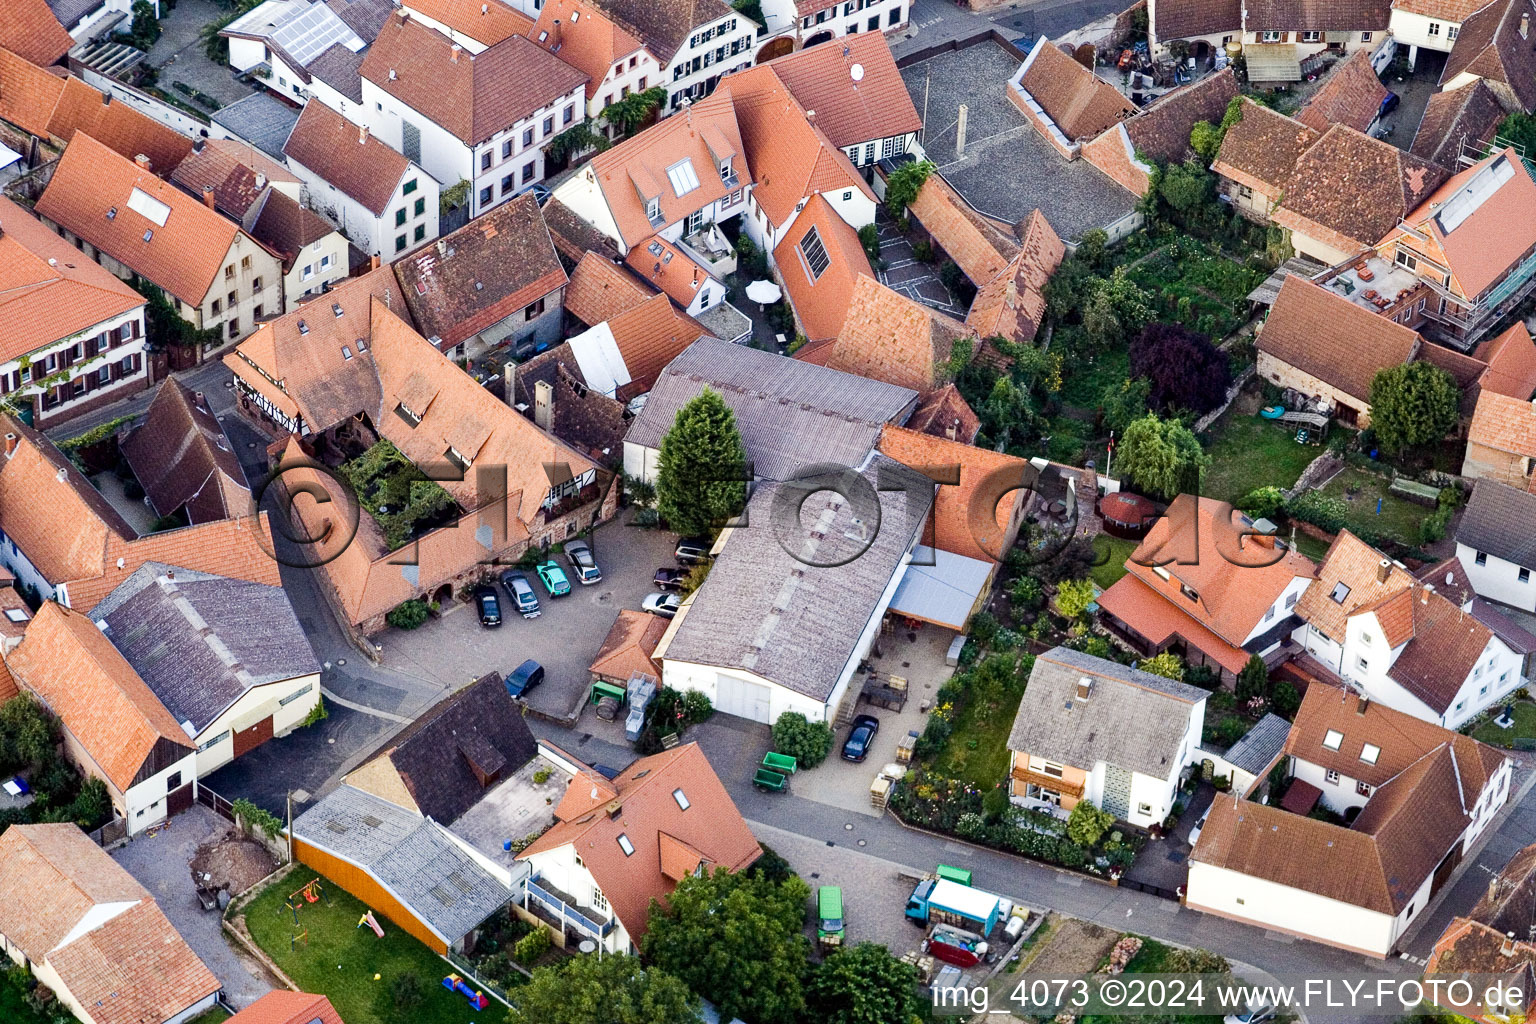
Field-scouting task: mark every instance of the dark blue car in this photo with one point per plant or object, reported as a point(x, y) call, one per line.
point(856, 747)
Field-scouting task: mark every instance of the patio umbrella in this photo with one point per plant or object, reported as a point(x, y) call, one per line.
point(763, 292)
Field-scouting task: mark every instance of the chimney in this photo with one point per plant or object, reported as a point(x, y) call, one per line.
point(1383, 570)
point(615, 809)
point(373, 262)
point(554, 35)
point(208, 197)
point(1084, 687)
point(1362, 702)
point(1428, 589)
point(810, 115)
point(1525, 25)
point(11, 441)
point(143, 162)
point(454, 51)
point(543, 404)
point(202, 403)
point(197, 145)
point(1508, 948)
point(362, 131)
point(261, 180)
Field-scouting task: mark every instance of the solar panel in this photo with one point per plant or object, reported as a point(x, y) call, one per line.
point(815, 253)
point(309, 34)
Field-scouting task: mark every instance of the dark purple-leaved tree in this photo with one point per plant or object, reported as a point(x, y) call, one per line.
point(1186, 370)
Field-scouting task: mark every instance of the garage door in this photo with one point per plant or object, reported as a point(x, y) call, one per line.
point(741, 698)
point(255, 736)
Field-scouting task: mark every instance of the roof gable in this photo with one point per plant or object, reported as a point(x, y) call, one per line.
point(889, 337)
point(1483, 220)
point(1352, 576)
point(181, 455)
point(30, 30)
point(1262, 148)
point(852, 107)
point(1081, 104)
point(50, 877)
point(1302, 331)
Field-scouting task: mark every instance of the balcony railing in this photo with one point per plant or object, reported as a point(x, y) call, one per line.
point(558, 904)
point(710, 249)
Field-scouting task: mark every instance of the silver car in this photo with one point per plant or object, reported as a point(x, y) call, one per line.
point(579, 552)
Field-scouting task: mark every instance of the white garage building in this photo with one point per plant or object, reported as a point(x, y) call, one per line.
point(791, 608)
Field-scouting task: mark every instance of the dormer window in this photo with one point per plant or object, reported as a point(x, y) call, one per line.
point(303, 327)
point(653, 209)
point(1189, 592)
point(410, 417)
point(1340, 592)
point(725, 169)
point(456, 457)
point(575, 17)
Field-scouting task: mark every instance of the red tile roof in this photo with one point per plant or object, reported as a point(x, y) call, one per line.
point(474, 278)
point(1081, 103)
point(594, 43)
point(486, 21)
point(1511, 359)
point(1012, 305)
point(600, 290)
point(112, 713)
point(236, 172)
point(650, 336)
point(48, 289)
point(1348, 579)
point(30, 30)
point(821, 301)
point(183, 459)
point(944, 411)
point(1351, 94)
point(636, 169)
point(184, 255)
point(1262, 149)
point(1138, 606)
point(662, 834)
point(50, 878)
point(1491, 46)
point(284, 1007)
point(629, 646)
point(851, 111)
point(28, 94)
point(1303, 322)
point(1483, 220)
point(960, 521)
point(1469, 114)
point(134, 968)
point(472, 96)
point(791, 157)
point(356, 162)
point(890, 338)
point(979, 245)
point(665, 266)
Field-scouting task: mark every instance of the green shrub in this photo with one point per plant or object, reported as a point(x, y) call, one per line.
point(408, 614)
point(869, 237)
point(1263, 502)
point(1073, 597)
point(984, 628)
point(1323, 511)
point(257, 818)
point(531, 946)
point(1087, 824)
point(1202, 676)
point(995, 803)
point(807, 742)
point(1167, 664)
point(541, 776)
point(1027, 593)
point(934, 736)
point(1284, 699)
point(696, 707)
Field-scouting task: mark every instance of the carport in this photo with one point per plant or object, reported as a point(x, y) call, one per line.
point(941, 588)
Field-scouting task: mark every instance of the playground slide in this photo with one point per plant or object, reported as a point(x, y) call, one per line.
point(368, 919)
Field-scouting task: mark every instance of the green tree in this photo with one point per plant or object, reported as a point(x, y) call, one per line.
point(1253, 680)
point(1166, 664)
point(1519, 130)
point(1125, 402)
point(806, 741)
point(630, 112)
point(1206, 138)
point(28, 733)
point(1161, 457)
point(1116, 307)
point(606, 990)
point(407, 614)
point(862, 984)
point(1185, 187)
point(735, 940)
point(1284, 699)
point(701, 469)
point(1412, 404)
point(1073, 597)
point(1087, 824)
point(146, 27)
point(904, 184)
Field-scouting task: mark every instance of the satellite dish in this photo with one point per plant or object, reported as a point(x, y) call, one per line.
point(857, 71)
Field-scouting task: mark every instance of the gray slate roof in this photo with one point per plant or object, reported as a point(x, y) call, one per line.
point(260, 119)
point(411, 857)
point(1261, 745)
point(791, 413)
point(339, 68)
point(767, 611)
point(200, 641)
point(1132, 719)
point(1498, 520)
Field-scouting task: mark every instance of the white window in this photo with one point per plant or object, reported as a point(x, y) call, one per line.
point(309, 271)
point(325, 261)
point(1333, 739)
point(681, 798)
point(1369, 753)
point(653, 209)
point(1332, 778)
point(1434, 28)
point(1311, 37)
point(1269, 37)
point(1365, 37)
point(1365, 666)
point(625, 845)
point(599, 901)
point(1452, 32)
point(682, 177)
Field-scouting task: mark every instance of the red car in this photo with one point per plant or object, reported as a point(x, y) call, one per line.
point(669, 579)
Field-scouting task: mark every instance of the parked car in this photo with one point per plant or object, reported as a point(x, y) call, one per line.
point(1258, 1012)
point(524, 678)
point(665, 605)
point(1194, 833)
point(553, 578)
point(829, 915)
point(580, 554)
point(489, 607)
point(521, 592)
point(856, 747)
point(693, 550)
point(669, 579)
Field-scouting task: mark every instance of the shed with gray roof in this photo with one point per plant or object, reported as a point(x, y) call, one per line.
point(260, 119)
point(432, 881)
point(1131, 719)
point(1260, 747)
point(790, 608)
point(1498, 521)
point(791, 414)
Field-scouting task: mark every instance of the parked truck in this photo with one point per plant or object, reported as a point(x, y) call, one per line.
point(939, 900)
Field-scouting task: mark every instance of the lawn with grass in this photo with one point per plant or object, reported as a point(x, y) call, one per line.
point(1110, 554)
point(1249, 452)
point(341, 959)
point(15, 983)
point(1360, 491)
point(977, 749)
point(1523, 729)
point(217, 1015)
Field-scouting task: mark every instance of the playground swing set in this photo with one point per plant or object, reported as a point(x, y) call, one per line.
point(311, 892)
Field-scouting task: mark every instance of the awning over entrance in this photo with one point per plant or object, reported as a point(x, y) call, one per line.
point(943, 592)
point(1272, 62)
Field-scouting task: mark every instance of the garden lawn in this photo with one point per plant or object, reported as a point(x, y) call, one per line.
point(977, 749)
point(1112, 553)
point(1249, 452)
point(217, 1015)
point(15, 982)
point(341, 959)
point(1523, 729)
point(1399, 518)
